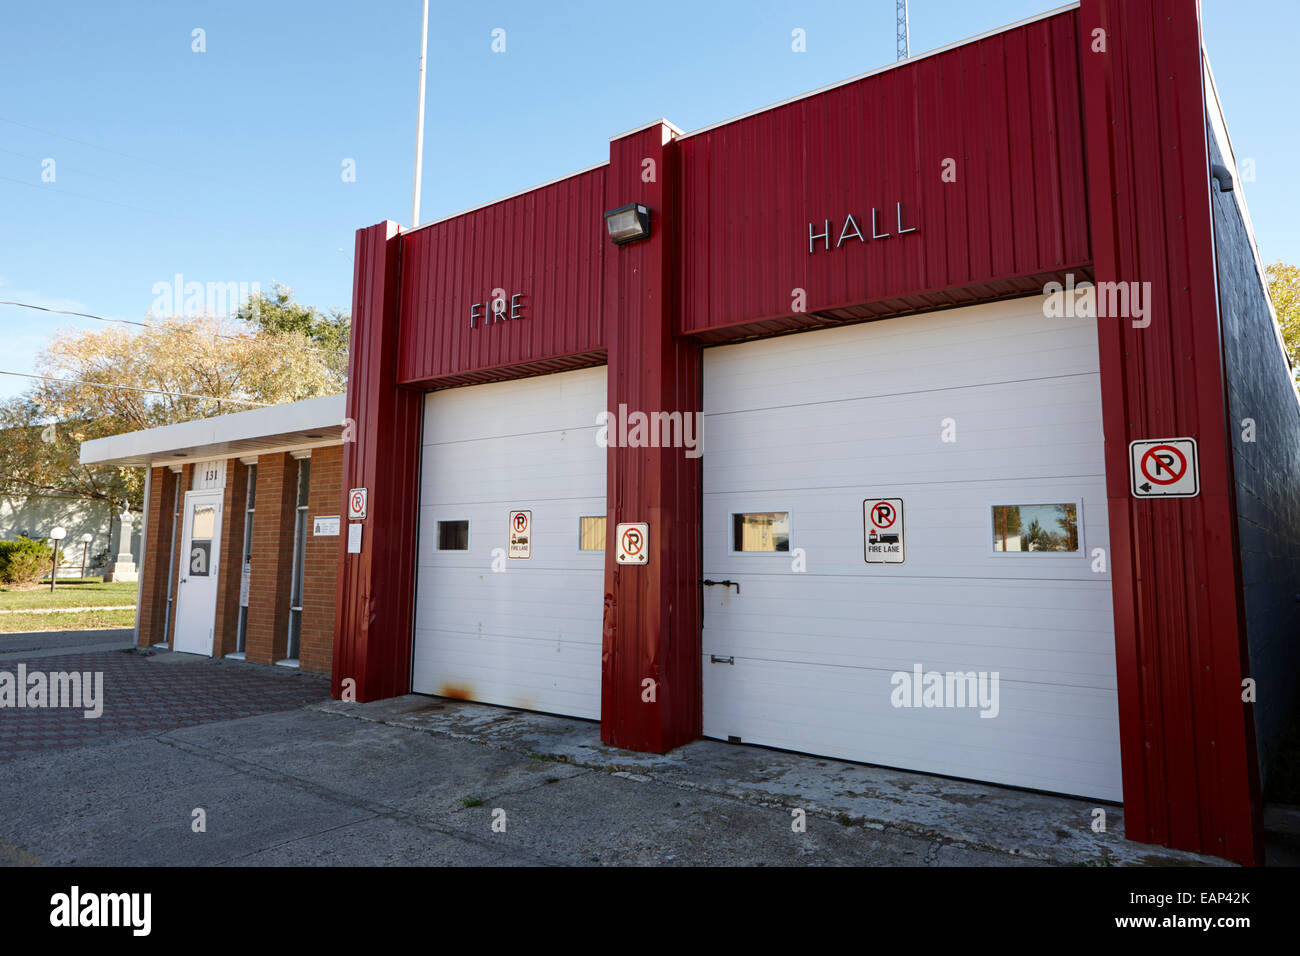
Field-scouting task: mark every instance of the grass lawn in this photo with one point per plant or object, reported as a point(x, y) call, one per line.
point(93, 593)
point(67, 620)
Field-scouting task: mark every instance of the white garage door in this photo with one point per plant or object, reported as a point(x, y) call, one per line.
point(524, 632)
point(986, 422)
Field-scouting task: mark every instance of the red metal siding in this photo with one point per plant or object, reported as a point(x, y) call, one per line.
point(1005, 108)
point(376, 588)
point(651, 624)
point(547, 244)
point(1186, 740)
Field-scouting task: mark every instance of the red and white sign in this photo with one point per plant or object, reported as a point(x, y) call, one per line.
point(1164, 468)
point(521, 534)
point(356, 504)
point(882, 531)
point(633, 543)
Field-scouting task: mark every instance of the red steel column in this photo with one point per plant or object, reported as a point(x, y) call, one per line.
point(1187, 740)
point(652, 612)
point(381, 452)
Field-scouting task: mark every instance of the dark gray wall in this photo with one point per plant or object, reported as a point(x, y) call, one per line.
point(1267, 471)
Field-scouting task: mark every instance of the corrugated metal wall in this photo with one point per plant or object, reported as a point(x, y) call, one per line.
point(1005, 110)
point(1187, 740)
point(381, 452)
point(547, 245)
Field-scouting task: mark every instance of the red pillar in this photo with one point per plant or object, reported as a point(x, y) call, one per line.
point(381, 453)
point(1187, 740)
point(652, 612)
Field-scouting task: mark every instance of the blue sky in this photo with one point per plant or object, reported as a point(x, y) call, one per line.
point(225, 166)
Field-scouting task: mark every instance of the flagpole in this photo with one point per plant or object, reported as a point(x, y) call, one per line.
point(419, 121)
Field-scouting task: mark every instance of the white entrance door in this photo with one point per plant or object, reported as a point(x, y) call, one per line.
point(511, 563)
point(196, 593)
point(950, 415)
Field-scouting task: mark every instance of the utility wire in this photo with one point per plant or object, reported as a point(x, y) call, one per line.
point(136, 388)
point(146, 325)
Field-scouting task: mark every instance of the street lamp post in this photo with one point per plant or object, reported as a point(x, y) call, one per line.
point(85, 549)
point(57, 534)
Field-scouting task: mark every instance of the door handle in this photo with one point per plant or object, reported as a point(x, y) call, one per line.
point(715, 659)
point(726, 584)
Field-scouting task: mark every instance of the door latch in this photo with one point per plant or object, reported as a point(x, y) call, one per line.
point(715, 659)
point(726, 584)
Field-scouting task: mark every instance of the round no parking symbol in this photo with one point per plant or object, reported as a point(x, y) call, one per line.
point(1164, 468)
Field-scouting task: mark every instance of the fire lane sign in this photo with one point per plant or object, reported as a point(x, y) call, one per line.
point(633, 543)
point(1164, 468)
point(882, 531)
point(521, 534)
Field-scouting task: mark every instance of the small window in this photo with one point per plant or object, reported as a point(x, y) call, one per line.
point(1042, 528)
point(761, 531)
point(591, 533)
point(453, 535)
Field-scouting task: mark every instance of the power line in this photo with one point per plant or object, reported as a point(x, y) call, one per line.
point(146, 325)
point(115, 152)
point(136, 388)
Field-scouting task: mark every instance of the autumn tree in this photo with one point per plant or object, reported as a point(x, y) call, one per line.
point(118, 379)
point(1284, 285)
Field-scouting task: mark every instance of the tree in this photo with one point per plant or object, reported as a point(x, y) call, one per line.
point(173, 370)
point(1284, 286)
point(278, 314)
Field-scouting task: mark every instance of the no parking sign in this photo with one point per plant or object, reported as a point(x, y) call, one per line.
point(1164, 468)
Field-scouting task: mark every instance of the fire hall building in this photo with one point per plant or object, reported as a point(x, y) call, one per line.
point(765, 432)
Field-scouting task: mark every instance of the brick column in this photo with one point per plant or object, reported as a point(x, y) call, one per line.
point(229, 567)
point(156, 556)
point(652, 612)
point(267, 637)
point(320, 574)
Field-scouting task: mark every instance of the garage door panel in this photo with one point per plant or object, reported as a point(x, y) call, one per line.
point(513, 631)
point(489, 470)
point(555, 677)
point(813, 424)
point(987, 344)
point(949, 531)
point(1059, 739)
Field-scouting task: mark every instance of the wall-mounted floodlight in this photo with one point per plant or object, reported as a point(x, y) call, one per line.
point(628, 223)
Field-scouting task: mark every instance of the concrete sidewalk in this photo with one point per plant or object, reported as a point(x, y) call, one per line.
point(25, 645)
point(421, 781)
point(962, 822)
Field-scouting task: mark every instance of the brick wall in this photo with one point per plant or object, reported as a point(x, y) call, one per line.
point(230, 567)
point(268, 596)
point(320, 578)
point(267, 636)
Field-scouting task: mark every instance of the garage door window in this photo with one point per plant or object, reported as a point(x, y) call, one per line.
point(591, 533)
point(453, 535)
point(1037, 528)
point(760, 531)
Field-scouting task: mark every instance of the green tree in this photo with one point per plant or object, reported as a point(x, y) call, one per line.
point(1284, 286)
point(279, 314)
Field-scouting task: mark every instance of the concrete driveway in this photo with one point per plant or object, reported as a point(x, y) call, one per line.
point(299, 779)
